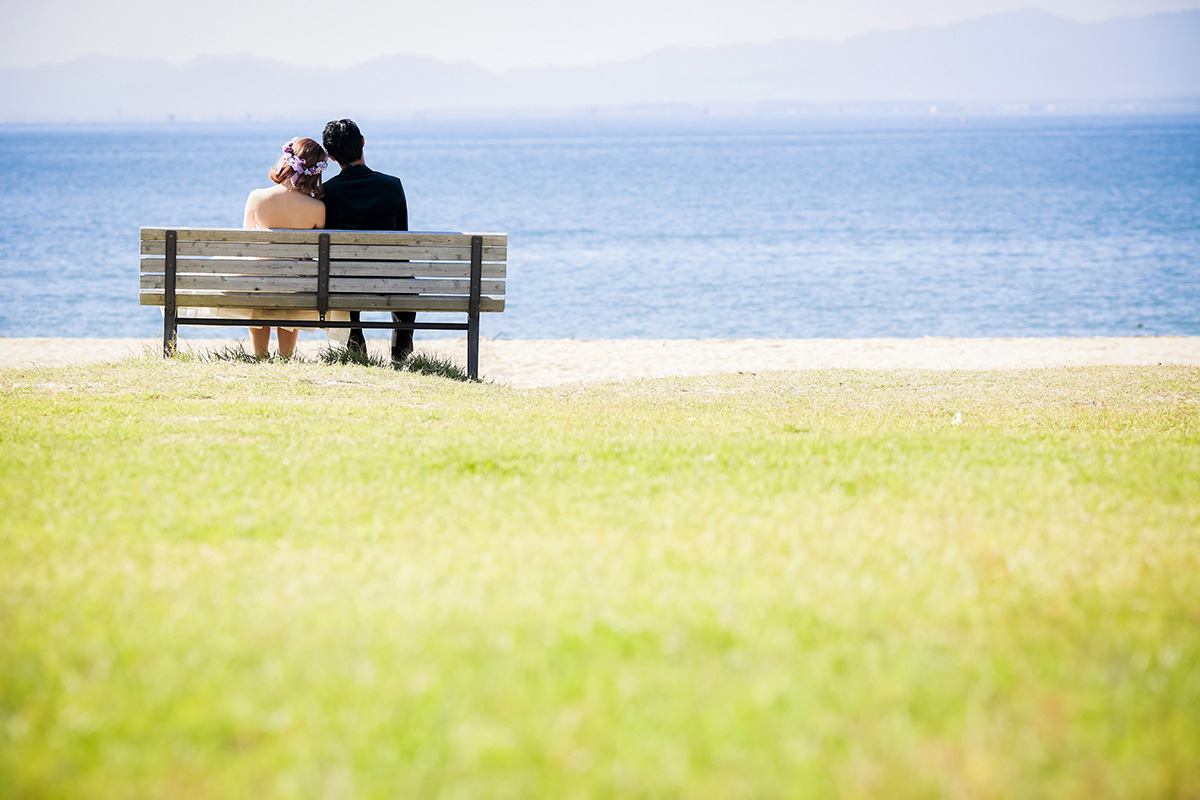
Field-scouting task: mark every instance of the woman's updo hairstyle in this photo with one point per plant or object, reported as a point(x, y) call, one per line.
point(301, 165)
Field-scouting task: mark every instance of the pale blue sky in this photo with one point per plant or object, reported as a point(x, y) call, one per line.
point(497, 35)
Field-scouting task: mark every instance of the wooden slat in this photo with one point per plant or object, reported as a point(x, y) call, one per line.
point(234, 300)
point(411, 269)
point(233, 249)
point(415, 238)
point(364, 269)
point(236, 266)
point(341, 302)
point(366, 302)
point(411, 286)
point(308, 236)
point(363, 251)
point(232, 283)
point(294, 283)
point(384, 251)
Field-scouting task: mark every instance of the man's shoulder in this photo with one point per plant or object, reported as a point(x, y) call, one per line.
point(365, 177)
point(383, 177)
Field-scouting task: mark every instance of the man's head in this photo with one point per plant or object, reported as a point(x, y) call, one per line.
point(343, 141)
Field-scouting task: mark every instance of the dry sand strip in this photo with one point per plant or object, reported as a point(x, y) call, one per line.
point(537, 362)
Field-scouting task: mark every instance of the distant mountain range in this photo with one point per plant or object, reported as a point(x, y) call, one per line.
point(1022, 57)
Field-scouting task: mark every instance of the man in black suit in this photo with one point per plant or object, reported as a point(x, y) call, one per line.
point(359, 198)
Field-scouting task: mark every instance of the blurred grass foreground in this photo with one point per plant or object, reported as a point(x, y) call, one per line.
point(300, 580)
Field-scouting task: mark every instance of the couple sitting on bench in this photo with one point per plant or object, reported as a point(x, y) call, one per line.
point(357, 198)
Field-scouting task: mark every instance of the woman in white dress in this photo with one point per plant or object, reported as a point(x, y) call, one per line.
point(293, 202)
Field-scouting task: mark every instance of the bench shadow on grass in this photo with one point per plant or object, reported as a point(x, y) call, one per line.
point(419, 363)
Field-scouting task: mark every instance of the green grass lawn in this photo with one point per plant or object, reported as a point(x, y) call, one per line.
point(304, 580)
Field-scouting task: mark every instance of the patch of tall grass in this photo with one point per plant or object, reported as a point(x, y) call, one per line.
point(419, 363)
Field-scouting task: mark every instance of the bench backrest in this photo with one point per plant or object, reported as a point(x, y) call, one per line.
point(367, 270)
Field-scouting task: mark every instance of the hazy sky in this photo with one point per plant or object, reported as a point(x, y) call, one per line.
point(497, 34)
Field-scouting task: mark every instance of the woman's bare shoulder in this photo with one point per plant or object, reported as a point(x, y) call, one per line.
point(256, 196)
point(278, 209)
point(310, 202)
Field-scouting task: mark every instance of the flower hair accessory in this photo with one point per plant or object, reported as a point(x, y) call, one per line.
point(297, 164)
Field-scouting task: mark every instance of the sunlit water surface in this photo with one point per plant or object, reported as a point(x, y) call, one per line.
point(674, 228)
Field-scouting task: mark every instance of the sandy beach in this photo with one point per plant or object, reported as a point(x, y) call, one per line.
point(532, 363)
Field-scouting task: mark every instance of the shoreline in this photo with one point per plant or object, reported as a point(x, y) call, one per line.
point(551, 362)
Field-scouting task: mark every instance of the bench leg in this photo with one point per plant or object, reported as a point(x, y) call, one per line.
point(473, 308)
point(170, 315)
point(170, 333)
point(473, 347)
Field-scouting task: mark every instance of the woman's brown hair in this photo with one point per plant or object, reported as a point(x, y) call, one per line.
point(310, 154)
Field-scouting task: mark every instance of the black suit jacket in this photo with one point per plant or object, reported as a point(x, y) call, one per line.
point(361, 199)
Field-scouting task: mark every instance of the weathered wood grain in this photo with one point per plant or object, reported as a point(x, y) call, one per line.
point(339, 302)
point(414, 238)
point(151, 247)
point(300, 283)
point(342, 269)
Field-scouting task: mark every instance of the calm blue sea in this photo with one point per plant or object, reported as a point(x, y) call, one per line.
point(671, 228)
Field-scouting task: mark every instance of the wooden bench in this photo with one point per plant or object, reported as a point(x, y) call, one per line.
point(324, 271)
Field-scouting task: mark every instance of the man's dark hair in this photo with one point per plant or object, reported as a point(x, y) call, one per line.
point(343, 141)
